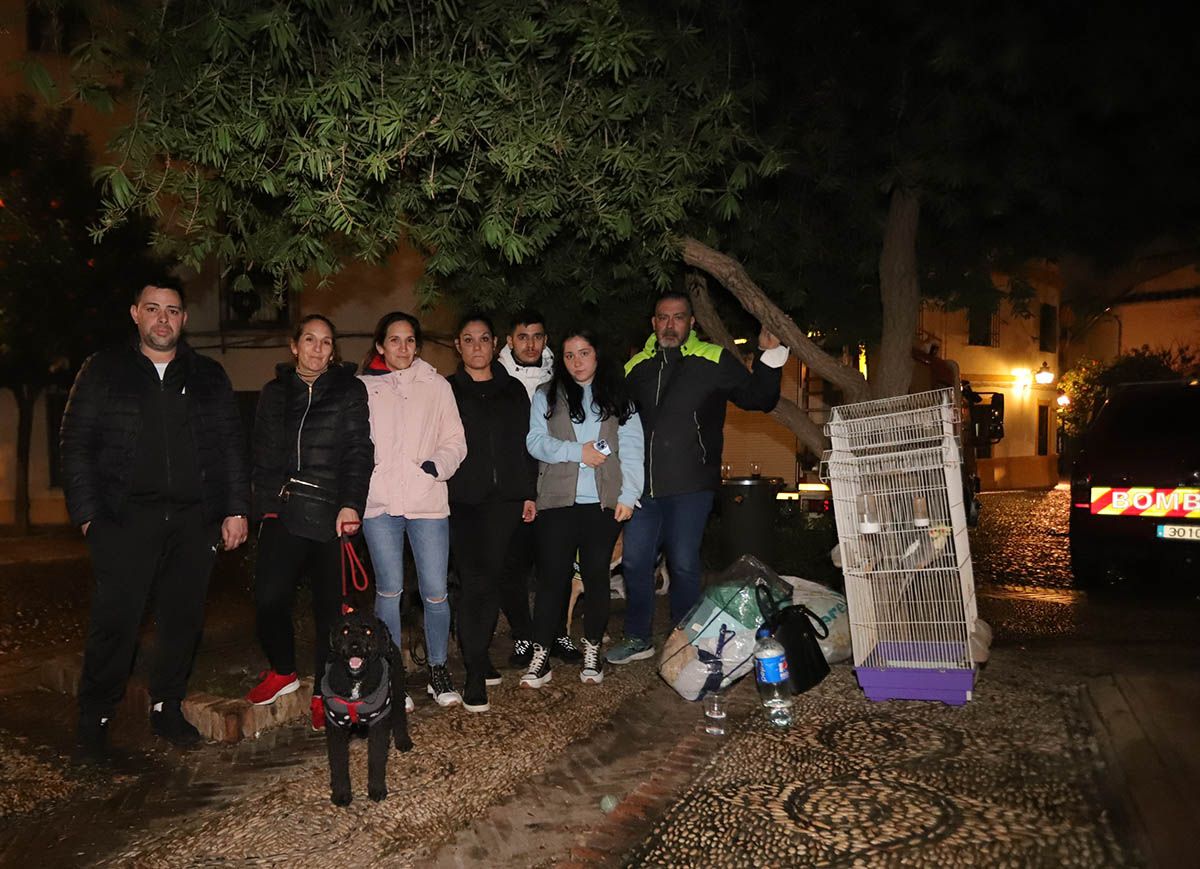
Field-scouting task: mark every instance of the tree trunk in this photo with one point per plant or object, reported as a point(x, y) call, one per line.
point(787, 412)
point(733, 277)
point(26, 396)
point(900, 292)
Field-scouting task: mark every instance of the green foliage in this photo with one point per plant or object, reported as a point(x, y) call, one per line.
point(523, 147)
point(1089, 381)
point(553, 152)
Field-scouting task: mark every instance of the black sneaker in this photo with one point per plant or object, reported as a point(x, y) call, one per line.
point(474, 696)
point(492, 677)
point(522, 652)
point(91, 739)
point(539, 672)
point(170, 724)
point(440, 687)
point(565, 650)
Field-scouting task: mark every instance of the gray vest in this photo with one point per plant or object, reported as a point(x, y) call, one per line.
point(557, 482)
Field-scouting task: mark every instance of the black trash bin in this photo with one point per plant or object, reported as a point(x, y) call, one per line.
point(748, 512)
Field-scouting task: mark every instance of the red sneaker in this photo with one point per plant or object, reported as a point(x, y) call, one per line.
point(272, 687)
point(318, 713)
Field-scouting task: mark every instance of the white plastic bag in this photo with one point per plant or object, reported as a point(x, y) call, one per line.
point(831, 607)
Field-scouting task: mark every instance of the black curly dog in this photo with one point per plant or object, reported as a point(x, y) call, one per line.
point(363, 689)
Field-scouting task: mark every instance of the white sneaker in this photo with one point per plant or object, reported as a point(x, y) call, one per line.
point(593, 664)
point(539, 672)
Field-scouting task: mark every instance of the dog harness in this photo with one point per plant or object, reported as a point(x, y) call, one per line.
point(343, 712)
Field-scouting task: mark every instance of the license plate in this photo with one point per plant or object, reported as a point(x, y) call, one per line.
point(1179, 532)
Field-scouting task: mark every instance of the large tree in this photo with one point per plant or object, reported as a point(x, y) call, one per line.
point(61, 295)
point(850, 159)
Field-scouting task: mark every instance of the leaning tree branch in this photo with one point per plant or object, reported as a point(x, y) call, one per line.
point(796, 418)
point(706, 313)
point(787, 412)
point(733, 277)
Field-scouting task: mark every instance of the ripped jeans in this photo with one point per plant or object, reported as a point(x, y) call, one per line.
point(430, 539)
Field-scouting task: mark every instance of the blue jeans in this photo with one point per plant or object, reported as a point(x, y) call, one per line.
point(674, 523)
point(430, 539)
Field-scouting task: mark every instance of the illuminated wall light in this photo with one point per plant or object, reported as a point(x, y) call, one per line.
point(1063, 400)
point(1022, 377)
point(1044, 375)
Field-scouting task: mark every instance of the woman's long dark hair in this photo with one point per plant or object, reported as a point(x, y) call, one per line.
point(609, 395)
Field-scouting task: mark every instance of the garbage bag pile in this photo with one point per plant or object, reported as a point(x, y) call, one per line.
point(713, 646)
point(831, 607)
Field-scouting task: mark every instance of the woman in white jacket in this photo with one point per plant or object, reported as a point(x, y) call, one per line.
point(419, 444)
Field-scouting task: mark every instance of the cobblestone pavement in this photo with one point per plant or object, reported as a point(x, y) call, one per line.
point(1016, 772)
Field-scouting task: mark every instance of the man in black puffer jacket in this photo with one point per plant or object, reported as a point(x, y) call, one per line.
point(154, 473)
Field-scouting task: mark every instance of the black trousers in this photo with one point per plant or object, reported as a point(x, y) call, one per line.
point(480, 536)
point(561, 531)
point(283, 560)
point(151, 551)
point(514, 583)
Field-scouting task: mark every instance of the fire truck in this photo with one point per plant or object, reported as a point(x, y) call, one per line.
point(1135, 485)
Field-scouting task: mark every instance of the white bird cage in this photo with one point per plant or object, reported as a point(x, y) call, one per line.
point(902, 524)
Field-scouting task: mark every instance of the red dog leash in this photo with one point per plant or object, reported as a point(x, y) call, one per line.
point(357, 571)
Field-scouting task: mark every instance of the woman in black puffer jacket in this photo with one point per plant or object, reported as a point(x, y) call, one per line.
point(312, 438)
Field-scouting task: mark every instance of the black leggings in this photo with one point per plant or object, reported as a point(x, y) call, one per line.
point(282, 560)
point(561, 531)
point(480, 535)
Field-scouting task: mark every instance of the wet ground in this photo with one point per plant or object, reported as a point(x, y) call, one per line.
point(163, 807)
point(1022, 540)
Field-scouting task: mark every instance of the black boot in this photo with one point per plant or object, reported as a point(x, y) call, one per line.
point(170, 724)
point(91, 739)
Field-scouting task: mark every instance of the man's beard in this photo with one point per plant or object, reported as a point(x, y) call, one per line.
point(162, 345)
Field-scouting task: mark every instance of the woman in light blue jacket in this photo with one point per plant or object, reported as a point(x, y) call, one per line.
point(585, 433)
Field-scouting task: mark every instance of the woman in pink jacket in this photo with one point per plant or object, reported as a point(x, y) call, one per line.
point(419, 444)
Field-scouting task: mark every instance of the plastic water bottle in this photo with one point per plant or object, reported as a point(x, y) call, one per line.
point(771, 673)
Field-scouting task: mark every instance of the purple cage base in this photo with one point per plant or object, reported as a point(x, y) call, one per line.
point(884, 676)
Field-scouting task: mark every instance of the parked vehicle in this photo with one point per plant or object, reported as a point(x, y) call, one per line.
point(1135, 486)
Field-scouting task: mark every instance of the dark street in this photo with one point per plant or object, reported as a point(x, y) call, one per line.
point(1072, 679)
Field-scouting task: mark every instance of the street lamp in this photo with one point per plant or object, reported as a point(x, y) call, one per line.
point(1063, 400)
point(1044, 375)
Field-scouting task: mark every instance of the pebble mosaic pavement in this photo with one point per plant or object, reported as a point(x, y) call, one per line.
point(1007, 780)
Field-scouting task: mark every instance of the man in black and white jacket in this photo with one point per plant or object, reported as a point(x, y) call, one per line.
point(529, 359)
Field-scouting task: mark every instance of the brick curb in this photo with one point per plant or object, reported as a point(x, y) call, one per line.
point(219, 719)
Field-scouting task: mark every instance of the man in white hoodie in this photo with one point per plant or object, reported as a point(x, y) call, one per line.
point(531, 361)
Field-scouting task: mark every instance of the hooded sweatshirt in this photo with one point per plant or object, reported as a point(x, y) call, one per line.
point(414, 419)
point(530, 376)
